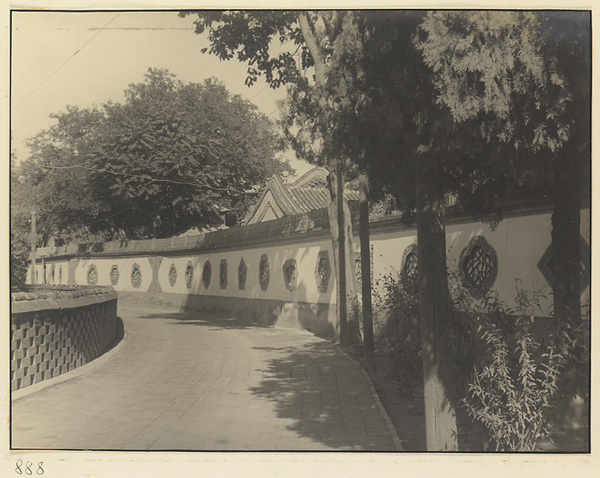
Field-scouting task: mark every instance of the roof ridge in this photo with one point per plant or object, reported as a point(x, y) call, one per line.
point(316, 173)
point(281, 192)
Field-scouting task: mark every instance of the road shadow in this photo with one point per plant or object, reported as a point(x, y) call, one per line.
point(316, 389)
point(325, 395)
point(205, 319)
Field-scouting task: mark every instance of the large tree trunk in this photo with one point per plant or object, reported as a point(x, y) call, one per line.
point(565, 238)
point(566, 252)
point(340, 227)
point(340, 223)
point(567, 189)
point(365, 266)
point(440, 417)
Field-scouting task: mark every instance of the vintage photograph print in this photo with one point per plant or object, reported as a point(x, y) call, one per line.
point(294, 230)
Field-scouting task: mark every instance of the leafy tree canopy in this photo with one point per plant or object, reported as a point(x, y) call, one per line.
point(484, 92)
point(159, 163)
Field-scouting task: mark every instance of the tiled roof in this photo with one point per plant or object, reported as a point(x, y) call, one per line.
point(306, 194)
point(307, 199)
point(316, 177)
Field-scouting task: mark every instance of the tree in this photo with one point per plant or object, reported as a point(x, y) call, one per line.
point(304, 67)
point(19, 227)
point(535, 103)
point(155, 165)
point(568, 40)
point(58, 189)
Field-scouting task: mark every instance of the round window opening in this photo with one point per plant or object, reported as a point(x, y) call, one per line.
point(478, 267)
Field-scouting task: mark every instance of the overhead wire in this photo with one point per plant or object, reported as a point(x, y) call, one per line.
point(67, 61)
point(146, 177)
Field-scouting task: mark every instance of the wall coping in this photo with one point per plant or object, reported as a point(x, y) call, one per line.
point(312, 225)
point(59, 297)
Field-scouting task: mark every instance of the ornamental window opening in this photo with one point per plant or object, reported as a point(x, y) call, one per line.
point(114, 275)
point(242, 272)
point(322, 271)
point(478, 267)
point(264, 272)
point(136, 276)
point(547, 265)
point(206, 274)
point(223, 274)
point(172, 275)
point(189, 274)
point(92, 275)
point(409, 272)
point(290, 274)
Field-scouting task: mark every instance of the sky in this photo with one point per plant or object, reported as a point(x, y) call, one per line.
point(86, 58)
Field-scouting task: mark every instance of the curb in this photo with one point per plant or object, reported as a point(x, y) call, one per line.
point(382, 411)
point(23, 393)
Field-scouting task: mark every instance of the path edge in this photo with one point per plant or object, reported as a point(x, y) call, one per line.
point(382, 411)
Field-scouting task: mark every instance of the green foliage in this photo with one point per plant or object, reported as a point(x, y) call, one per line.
point(511, 374)
point(515, 387)
point(51, 182)
point(518, 370)
point(19, 255)
point(19, 227)
point(159, 163)
point(248, 36)
point(490, 66)
point(492, 96)
point(398, 315)
point(275, 45)
point(19, 251)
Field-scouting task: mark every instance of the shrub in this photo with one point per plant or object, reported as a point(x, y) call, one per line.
point(506, 375)
point(514, 386)
point(398, 315)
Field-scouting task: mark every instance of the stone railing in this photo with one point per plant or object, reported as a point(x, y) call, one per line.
point(57, 329)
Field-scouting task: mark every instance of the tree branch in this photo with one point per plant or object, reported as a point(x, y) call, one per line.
point(314, 47)
point(149, 178)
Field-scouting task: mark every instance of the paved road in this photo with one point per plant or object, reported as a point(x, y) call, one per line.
point(185, 382)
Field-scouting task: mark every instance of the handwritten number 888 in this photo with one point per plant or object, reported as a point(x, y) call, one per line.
point(27, 470)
